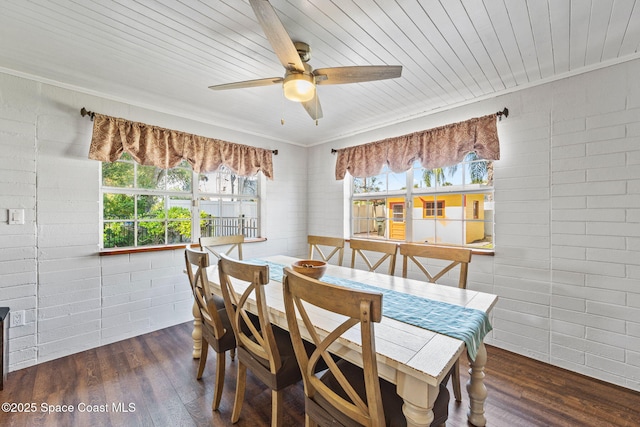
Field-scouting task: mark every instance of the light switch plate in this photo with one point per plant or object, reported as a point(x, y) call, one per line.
point(16, 216)
point(17, 318)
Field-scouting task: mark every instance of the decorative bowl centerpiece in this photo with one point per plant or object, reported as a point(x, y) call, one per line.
point(309, 267)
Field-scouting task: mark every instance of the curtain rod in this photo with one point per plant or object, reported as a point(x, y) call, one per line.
point(500, 114)
point(92, 115)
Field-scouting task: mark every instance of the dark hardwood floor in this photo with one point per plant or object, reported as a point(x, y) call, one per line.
point(150, 381)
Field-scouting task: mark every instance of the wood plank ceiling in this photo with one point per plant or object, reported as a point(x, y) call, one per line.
point(163, 54)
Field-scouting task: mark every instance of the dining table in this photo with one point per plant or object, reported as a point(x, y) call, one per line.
point(411, 356)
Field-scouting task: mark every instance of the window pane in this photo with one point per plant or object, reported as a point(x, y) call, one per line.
point(475, 205)
point(396, 181)
point(479, 211)
point(117, 174)
point(226, 182)
point(179, 232)
point(151, 177)
point(374, 184)
point(424, 230)
point(118, 234)
point(369, 218)
point(179, 207)
point(151, 207)
point(207, 183)
point(477, 173)
point(178, 179)
point(248, 186)
point(151, 233)
point(378, 183)
point(118, 206)
point(452, 175)
point(429, 177)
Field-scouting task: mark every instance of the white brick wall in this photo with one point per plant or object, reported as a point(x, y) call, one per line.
point(566, 267)
point(74, 299)
point(17, 242)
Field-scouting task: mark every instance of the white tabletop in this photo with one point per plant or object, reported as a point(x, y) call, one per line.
point(413, 358)
point(419, 352)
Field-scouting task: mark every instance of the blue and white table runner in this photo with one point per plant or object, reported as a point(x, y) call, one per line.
point(466, 324)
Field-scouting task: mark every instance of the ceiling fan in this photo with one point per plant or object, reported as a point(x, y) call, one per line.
point(300, 80)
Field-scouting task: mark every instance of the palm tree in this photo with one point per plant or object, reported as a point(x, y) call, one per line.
point(437, 175)
point(479, 170)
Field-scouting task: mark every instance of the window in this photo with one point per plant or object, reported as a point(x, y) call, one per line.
point(433, 208)
point(398, 211)
point(449, 206)
point(148, 206)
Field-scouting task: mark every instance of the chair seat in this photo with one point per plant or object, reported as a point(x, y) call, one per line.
point(228, 340)
point(289, 373)
point(218, 302)
point(391, 401)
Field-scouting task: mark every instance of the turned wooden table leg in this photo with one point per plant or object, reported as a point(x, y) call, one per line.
point(419, 398)
point(196, 335)
point(476, 389)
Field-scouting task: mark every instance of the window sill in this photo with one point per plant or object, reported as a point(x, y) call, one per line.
point(123, 251)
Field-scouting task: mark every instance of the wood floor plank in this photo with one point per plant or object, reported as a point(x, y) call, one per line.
point(157, 374)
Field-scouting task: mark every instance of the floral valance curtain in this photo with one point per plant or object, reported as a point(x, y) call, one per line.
point(166, 148)
point(434, 148)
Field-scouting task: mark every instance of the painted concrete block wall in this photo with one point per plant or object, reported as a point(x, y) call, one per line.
point(567, 222)
point(567, 232)
point(595, 147)
point(18, 190)
point(74, 299)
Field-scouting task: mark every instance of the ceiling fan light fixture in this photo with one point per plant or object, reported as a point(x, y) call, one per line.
point(299, 87)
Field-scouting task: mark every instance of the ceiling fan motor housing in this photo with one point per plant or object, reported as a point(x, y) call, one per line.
point(304, 50)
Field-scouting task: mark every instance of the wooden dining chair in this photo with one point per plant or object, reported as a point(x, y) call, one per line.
point(346, 394)
point(263, 348)
point(446, 259)
point(223, 244)
point(335, 244)
point(217, 331)
point(387, 250)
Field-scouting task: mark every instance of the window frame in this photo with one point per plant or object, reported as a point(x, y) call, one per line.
point(464, 187)
point(193, 196)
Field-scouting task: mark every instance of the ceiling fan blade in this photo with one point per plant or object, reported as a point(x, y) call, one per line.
point(313, 107)
point(248, 83)
point(277, 35)
point(356, 74)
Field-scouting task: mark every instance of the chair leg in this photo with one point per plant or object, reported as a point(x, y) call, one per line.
point(308, 422)
point(233, 353)
point(217, 391)
point(455, 381)
point(276, 408)
point(240, 386)
point(203, 358)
